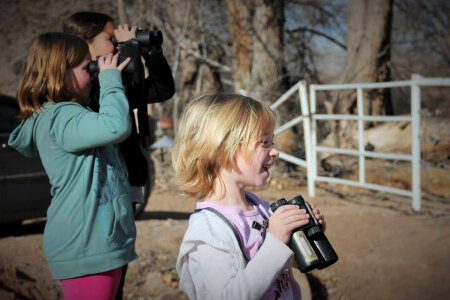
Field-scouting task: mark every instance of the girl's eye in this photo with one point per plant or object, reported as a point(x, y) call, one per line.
point(267, 144)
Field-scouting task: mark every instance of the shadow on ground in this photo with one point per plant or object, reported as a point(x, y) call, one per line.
point(318, 289)
point(164, 215)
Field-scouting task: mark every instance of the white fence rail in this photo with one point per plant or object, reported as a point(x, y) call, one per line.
point(309, 118)
point(299, 87)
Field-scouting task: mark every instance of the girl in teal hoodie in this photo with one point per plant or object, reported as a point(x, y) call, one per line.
point(90, 232)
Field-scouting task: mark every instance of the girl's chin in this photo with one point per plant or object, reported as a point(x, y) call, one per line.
point(263, 180)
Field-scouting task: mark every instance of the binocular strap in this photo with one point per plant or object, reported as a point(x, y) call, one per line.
point(236, 234)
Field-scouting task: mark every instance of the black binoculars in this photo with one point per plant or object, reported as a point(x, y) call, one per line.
point(308, 242)
point(134, 69)
point(129, 70)
point(146, 38)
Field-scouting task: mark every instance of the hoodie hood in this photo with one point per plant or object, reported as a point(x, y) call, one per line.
point(22, 138)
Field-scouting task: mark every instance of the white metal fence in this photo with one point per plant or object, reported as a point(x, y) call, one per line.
point(310, 118)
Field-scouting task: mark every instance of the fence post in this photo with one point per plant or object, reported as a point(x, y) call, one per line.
point(362, 162)
point(312, 163)
point(307, 135)
point(415, 142)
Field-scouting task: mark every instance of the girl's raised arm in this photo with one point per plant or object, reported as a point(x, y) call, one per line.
point(75, 128)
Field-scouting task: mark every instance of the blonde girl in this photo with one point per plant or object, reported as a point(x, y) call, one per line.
point(225, 145)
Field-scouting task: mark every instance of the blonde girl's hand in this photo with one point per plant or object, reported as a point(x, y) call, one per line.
point(319, 217)
point(285, 219)
point(124, 33)
point(110, 62)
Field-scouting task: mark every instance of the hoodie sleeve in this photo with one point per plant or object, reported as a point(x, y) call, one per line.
point(159, 84)
point(76, 128)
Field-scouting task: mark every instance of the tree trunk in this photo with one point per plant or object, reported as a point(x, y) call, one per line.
point(256, 29)
point(368, 48)
point(121, 12)
point(193, 62)
point(369, 25)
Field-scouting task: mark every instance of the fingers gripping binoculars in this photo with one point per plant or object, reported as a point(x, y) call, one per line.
point(134, 70)
point(129, 71)
point(308, 242)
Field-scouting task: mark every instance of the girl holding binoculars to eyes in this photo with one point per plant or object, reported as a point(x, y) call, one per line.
point(225, 145)
point(90, 233)
point(98, 30)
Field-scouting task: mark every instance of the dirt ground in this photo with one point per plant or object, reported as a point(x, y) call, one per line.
point(385, 250)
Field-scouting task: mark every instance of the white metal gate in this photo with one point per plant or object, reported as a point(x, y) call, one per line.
point(310, 118)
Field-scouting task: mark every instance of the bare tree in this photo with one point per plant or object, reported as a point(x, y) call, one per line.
point(368, 47)
point(422, 32)
point(421, 44)
point(369, 24)
point(257, 30)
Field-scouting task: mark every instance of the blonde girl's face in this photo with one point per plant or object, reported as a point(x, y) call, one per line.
point(255, 172)
point(101, 44)
point(77, 80)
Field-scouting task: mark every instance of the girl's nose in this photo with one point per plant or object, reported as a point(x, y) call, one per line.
point(274, 153)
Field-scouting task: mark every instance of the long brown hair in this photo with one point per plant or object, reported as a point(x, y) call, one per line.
point(86, 24)
point(49, 58)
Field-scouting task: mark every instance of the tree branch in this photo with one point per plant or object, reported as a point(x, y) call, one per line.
point(200, 57)
point(313, 31)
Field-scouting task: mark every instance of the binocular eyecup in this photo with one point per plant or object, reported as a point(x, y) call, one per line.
point(308, 242)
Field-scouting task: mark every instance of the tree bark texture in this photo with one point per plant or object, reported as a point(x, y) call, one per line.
point(121, 12)
point(369, 25)
point(184, 23)
point(256, 28)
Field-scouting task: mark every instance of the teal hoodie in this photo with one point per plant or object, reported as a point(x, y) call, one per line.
point(90, 225)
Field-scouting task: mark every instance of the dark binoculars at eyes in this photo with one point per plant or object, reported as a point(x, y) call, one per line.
point(146, 38)
point(134, 71)
point(128, 71)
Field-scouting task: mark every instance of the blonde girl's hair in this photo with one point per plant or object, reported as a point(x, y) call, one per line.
point(49, 59)
point(212, 131)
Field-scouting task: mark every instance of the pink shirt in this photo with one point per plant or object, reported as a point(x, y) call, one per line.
point(251, 238)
